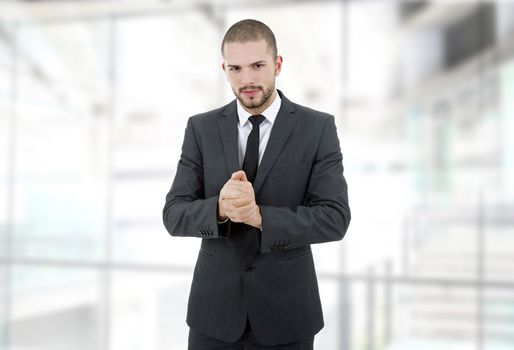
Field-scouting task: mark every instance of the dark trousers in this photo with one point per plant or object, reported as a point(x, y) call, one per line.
point(198, 341)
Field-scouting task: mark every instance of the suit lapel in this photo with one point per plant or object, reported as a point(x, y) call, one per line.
point(228, 132)
point(282, 128)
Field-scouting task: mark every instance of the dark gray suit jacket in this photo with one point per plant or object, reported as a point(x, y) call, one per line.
point(267, 276)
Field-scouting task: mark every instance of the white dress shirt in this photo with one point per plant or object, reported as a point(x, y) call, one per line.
point(245, 127)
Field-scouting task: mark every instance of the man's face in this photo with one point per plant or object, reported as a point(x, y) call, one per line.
point(251, 70)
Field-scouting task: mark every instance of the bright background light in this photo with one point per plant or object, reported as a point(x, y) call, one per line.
point(94, 99)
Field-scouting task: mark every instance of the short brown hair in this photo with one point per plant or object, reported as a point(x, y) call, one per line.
point(250, 30)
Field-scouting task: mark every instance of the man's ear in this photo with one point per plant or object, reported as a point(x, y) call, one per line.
point(278, 65)
point(223, 66)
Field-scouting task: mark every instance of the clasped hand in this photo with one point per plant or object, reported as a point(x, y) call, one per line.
point(237, 201)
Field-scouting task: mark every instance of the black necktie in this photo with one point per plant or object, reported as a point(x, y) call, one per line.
point(251, 160)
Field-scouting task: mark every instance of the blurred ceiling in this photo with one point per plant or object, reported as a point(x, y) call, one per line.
point(27, 10)
point(434, 12)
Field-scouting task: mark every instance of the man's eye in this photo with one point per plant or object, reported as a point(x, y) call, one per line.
point(233, 69)
point(259, 65)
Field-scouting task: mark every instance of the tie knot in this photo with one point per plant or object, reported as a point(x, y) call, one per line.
point(256, 119)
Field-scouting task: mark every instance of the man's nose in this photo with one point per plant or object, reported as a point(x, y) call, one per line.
point(248, 77)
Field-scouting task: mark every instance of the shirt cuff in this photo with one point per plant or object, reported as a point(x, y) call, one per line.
point(222, 222)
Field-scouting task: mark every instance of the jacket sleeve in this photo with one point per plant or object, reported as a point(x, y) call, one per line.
point(187, 212)
point(326, 214)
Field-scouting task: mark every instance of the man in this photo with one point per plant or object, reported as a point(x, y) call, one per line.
point(259, 180)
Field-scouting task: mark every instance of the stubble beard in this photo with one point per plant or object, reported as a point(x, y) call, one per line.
point(252, 104)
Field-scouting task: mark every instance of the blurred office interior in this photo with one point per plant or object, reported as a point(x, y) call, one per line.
point(94, 98)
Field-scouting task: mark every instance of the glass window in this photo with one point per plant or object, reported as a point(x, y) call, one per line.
point(99, 111)
point(4, 305)
point(328, 337)
point(6, 78)
point(496, 314)
point(61, 153)
point(148, 310)
point(162, 80)
point(54, 308)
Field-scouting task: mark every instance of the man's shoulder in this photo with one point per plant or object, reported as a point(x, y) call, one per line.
point(311, 114)
point(301, 110)
point(212, 114)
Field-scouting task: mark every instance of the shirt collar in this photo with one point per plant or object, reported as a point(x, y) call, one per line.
point(269, 113)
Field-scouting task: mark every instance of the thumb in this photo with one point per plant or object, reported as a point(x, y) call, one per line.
point(239, 175)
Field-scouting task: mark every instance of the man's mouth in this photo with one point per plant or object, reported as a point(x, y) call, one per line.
point(250, 92)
